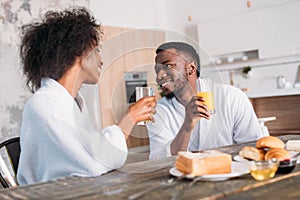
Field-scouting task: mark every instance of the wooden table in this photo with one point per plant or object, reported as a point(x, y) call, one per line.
point(153, 177)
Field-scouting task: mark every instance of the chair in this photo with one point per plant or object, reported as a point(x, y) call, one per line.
point(13, 149)
point(3, 182)
point(262, 122)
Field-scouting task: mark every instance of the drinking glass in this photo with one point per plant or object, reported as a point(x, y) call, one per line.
point(144, 92)
point(205, 89)
point(263, 169)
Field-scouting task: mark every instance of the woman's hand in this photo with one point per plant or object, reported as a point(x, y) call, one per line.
point(143, 109)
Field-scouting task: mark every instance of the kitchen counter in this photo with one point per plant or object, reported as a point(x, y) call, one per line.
point(274, 93)
point(284, 105)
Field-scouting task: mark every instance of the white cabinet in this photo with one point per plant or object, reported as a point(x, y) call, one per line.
point(231, 34)
point(279, 30)
point(273, 31)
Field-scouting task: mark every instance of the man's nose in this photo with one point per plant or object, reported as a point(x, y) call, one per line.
point(161, 74)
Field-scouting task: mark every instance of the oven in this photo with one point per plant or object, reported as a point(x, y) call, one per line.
point(133, 80)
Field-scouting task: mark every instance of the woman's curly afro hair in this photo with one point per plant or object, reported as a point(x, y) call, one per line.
point(50, 47)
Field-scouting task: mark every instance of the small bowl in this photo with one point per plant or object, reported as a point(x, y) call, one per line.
point(287, 166)
point(263, 170)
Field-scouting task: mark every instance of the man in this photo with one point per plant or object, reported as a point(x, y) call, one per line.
point(182, 121)
point(59, 55)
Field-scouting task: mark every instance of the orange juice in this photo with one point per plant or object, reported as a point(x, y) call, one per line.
point(209, 100)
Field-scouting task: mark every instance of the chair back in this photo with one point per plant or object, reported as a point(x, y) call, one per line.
point(3, 182)
point(13, 150)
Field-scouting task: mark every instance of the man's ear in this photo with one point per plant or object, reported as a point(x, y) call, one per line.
point(192, 68)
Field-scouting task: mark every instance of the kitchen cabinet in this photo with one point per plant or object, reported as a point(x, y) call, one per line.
point(285, 108)
point(126, 50)
point(279, 30)
point(273, 31)
point(274, 93)
point(236, 33)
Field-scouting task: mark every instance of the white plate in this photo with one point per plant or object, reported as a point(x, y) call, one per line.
point(241, 159)
point(237, 169)
point(292, 153)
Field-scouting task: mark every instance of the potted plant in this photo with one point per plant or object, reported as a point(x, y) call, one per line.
point(247, 73)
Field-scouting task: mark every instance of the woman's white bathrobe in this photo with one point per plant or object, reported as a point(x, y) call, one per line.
point(58, 138)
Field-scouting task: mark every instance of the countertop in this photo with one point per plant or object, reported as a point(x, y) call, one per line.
point(274, 93)
point(152, 180)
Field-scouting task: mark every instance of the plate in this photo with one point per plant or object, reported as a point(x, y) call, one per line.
point(292, 153)
point(237, 169)
point(239, 158)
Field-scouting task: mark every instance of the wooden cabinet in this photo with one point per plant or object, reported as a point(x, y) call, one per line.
point(285, 108)
point(126, 50)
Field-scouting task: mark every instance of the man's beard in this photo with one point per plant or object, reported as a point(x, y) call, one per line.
point(170, 95)
point(179, 89)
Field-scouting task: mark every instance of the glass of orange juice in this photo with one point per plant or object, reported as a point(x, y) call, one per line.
point(205, 89)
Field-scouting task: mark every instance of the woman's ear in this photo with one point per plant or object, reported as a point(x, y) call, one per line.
point(84, 61)
point(77, 62)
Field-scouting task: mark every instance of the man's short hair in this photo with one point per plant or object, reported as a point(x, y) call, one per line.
point(184, 48)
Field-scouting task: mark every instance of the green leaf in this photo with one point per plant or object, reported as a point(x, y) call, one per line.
point(246, 69)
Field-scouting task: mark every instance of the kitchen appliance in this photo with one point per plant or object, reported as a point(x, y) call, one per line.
point(133, 80)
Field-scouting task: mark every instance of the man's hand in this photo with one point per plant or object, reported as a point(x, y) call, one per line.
point(194, 111)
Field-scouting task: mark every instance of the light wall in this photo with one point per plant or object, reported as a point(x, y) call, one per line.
point(130, 13)
point(13, 91)
point(172, 15)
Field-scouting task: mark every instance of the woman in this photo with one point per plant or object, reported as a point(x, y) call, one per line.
point(59, 54)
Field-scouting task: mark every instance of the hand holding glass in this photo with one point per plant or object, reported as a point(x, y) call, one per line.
point(205, 90)
point(144, 92)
